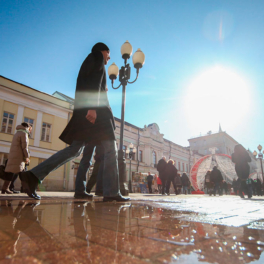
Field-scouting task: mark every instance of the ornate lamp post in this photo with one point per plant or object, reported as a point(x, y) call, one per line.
point(124, 76)
point(260, 157)
point(131, 151)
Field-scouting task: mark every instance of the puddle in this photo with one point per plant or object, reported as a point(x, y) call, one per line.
point(96, 232)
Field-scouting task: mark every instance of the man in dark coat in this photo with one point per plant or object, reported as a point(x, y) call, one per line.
point(216, 177)
point(149, 180)
point(161, 168)
point(92, 123)
point(185, 183)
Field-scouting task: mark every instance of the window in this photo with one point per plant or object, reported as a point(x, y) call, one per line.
point(179, 165)
point(187, 169)
point(182, 166)
point(154, 157)
point(31, 122)
point(7, 123)
point(140, 156)
point(46, 131)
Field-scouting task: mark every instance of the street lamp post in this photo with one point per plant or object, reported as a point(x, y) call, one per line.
point(260, 157)
point(131, 151)
point(124, 76)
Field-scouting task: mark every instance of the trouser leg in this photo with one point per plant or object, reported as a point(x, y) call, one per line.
point(149, 187)
point(58, 159)
point(12, 184)
point(93, 178)
point(85, 163)
point(168, 185)
point(110, 170)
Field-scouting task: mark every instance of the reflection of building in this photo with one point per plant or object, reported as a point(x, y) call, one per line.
point(49, 115)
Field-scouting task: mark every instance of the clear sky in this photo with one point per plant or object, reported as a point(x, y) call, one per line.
point(204, 59)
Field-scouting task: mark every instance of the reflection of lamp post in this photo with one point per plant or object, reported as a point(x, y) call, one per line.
point(260, 157)
point(131, 151)
point(124, 76)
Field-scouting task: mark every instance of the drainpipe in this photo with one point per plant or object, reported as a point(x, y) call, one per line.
point(138, 151)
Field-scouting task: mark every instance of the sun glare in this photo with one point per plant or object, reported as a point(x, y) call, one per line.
point(218, 95)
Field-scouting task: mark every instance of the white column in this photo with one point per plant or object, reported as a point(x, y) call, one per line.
point(20, 113)
point(38, 129)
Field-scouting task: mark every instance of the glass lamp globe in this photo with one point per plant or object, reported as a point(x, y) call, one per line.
point(255, 153)
point(126, 50)
point(138, 59)
point(131, 146)
point(113, 71)
point(134, 150)
point(127, 151)
point(259, 147)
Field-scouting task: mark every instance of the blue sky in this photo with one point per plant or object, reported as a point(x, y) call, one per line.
point(204, 59)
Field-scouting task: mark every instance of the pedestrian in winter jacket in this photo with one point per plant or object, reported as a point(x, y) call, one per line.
point(171, 173)
point(161, 168)
point(185, 183)
point(216, 177)
point(241, 159)
point(18, 155)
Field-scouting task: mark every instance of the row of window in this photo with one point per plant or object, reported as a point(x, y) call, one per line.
point(180, 166)
point(8, 122)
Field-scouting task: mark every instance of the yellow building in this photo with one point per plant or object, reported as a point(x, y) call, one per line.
point(48, 116)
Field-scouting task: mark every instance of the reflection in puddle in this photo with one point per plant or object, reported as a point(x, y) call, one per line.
point(69, 232)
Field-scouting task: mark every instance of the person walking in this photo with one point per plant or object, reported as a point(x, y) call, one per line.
point(216, 177)
point(234, 186)
point(207, 182)
point(171, 173)
point(92, 123)
point(149, 180)
point(241, 159)
point(159, 185)
point(185, 183)
point(18, 155)
point(161, 168)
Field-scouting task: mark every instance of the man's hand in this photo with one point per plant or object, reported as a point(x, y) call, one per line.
point(91, 116)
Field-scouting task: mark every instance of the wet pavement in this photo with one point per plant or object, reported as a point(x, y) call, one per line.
point(149, 229)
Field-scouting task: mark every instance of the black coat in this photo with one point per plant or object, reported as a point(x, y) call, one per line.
point(161, 168)
point(185, 180)
point(241, 159)
point(171, 171)
point(91, 94)
point(216, 176)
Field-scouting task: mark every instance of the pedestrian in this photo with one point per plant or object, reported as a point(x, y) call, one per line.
point(18, 155)
point(92, 123)
point(149, 180)
point(178, 184)
point(171, 173)
point(156, 190)
point(159, 185)
point(185, 183)
point(224, 187)
point(241, 159)
point(216, 177)
point(161, 168)
point(258, 187)
point(207, 182)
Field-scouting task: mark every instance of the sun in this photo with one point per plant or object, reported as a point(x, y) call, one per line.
point(218, 95)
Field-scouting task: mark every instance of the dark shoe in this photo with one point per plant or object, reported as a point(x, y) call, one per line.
point(99, 193)
point(29, 184)
point(6, 191)
point(14, 191)
point(118, 198)
point(84, 195)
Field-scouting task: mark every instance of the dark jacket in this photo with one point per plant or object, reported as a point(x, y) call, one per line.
point(171, 171)
point(150, 178)
point(241, 159)
point(216, 175)
point(185, 180)
point(91, 95)
point(161, 167)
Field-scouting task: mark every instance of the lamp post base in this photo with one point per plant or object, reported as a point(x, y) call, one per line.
point(122, 173)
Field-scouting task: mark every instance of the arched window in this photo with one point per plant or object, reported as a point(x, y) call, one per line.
point(154, 157)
